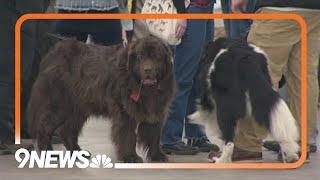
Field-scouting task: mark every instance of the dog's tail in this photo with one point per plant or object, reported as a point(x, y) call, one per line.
point(208, 119)
point(283, 127)
point(267, 107)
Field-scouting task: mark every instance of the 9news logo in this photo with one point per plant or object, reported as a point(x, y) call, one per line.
point(61, 159)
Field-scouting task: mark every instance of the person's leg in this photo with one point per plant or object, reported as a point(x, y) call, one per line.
point(109, 37)
point(6, 116)
point(193, 131)
point(240, 28)
point(12, 12)
point(225, 6)
point(7, 75)
point(186, 63)
point(140, 28)
point(277, 46)
point(109, 31)
point(293, 84)
point(313, 46)
point(29, 40)
point(6, 113)
point(44, 42)
point(196, 133)
point(28, 50)
point(72, 27)
point(7, 69)
point(294, 77)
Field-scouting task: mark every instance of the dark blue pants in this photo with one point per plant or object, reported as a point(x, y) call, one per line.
point(11, 10)
point(186, 62)
point(103, 31)
point(237, 28)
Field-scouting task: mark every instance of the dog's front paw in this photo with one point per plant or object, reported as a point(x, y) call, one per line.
point(161, 157)
point(226, 156)
point(132, 158)
point(291, 158)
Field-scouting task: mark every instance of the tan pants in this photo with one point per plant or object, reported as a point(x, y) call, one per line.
point(281, 40)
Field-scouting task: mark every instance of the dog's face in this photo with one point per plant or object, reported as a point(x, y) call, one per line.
point(149, 60)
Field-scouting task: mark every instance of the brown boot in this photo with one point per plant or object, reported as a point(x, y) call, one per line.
point(238, 156)
point(243, 156)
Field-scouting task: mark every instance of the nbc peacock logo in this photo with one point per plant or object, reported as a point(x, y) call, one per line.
point(101, 161)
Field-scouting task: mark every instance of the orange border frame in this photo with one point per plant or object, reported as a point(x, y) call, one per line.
point(178, 16)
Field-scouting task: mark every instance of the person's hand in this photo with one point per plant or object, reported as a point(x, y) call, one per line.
point(180, 28)
point(124, 38)
point(239, 6)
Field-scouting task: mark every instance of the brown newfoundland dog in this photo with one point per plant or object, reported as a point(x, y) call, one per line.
point(132, 87)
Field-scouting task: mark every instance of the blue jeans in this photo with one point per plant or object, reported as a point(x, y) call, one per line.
point(237, 28)
point(225, 7)
point(186, 62)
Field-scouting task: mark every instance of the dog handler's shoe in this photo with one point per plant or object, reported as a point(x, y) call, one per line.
point(4, 150)
point(272, 146)
point(203, 144)
point(243, 156)
point(12, 148)
point(179, 149)
point(238, 156)
point(313, 148)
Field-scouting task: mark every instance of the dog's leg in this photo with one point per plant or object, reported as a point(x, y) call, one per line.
point(48, 123)
point(284, 130)
point(226, 155)
point(149, 138)
point(124, 139)
point(43, 140)
point(227, 123)
point(67, 139)
point(67, 136)
point(70, 131)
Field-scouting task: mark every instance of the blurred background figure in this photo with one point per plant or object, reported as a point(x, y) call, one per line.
point(102, 31)
point(10, 11)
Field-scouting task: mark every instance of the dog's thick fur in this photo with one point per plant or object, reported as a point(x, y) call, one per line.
point(235, 83)
point(131, 86)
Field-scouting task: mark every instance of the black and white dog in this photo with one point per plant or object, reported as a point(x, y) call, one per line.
point(235, 83)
